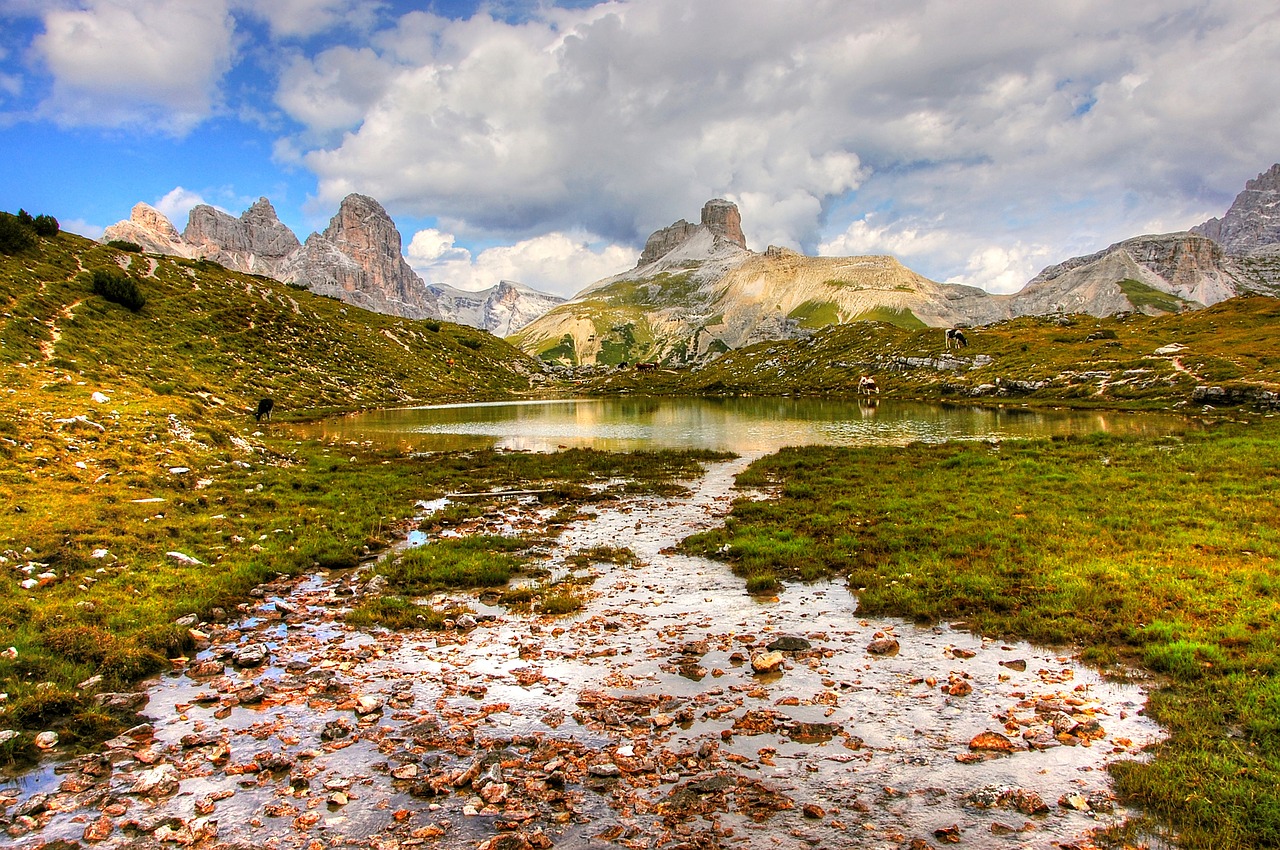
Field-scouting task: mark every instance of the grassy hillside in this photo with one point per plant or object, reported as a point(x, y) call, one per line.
point(1077, 359)
point(126, 435)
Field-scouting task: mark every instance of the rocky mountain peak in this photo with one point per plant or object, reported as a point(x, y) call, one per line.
point(150, 228)
point(720, 218)
point(256, 242)
point(1252, 225)
point(357, 259)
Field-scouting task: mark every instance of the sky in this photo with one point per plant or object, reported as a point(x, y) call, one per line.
point(542, 142)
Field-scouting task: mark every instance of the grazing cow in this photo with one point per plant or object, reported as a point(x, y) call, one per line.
point(646, 367)
point(867, 386)
point(264, 410)
point(955, 337)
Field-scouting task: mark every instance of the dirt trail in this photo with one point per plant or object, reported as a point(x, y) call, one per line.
point(638, 723)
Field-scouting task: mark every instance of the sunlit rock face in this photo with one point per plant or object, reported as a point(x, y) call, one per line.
point(357, 259)
point(256, 242)
point(151, 229)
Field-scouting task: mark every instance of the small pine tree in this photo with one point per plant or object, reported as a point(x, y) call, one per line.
point(46, 226)
point(14, 235)
point(114, 285)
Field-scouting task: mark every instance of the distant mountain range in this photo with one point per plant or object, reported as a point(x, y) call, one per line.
point(698, 291)
point(357, 259)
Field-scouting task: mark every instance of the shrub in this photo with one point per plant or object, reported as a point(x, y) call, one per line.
point(114, 285)
point(14, 235)
point(46, 226)
point(125, 245)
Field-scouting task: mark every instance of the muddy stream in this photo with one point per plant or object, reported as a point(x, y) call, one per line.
point(639, 722)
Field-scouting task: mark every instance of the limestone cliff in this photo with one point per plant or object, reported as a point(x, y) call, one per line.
point(720, 218)
point(502, 309)
point(698, 292)
point(1189, 270)
point(151, 229)
point(357, 259)
point(1252, 224)
point(256, 242)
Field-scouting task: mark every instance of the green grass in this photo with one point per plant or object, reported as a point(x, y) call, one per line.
point(1163, 552)
point(1141, 295)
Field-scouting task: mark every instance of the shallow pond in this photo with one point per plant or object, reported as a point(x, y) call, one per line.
point(748, 426)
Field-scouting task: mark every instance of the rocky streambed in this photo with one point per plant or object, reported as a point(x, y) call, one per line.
point(674, 711)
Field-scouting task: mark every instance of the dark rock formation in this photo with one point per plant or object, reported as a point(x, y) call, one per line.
point(357, 259)
point(1252, 225)
point(256, 242)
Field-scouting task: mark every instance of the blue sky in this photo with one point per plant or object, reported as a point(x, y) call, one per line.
point(541, 142)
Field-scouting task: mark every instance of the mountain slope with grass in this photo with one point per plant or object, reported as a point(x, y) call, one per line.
point(1227, 354)
point(135, 484)
point(698, 292)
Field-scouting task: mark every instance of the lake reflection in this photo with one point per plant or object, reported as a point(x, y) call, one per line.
point(748, 426)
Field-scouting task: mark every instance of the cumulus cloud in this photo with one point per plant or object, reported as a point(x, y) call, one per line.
point(302, 18)
point(1012, 124)
point(177, 203)
point(558, 263)
point(149, 63)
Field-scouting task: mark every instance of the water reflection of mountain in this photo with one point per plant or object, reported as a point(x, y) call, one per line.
point(748, 426)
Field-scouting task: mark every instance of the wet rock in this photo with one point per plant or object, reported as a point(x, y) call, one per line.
point(789, 643)
point(883, 646)
point(46, 740)
point(1028, 802)
point(1017, 664)
point(157, 782)
point(767, 662)
point(36, 804)
point(607, 771)
point(121, 701)
point(376, 585)
point(948, 834)
point(1075, 802)
point(813, 811)
point(251, 655)
point(99, 830)
point(991, 742)
point(207, 668)
point(369, 704)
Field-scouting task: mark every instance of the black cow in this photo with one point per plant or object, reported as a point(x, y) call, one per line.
point(264, 410)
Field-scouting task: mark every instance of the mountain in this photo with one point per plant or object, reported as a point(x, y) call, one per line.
point(151, 229)
point(357, 259)
point(697, 292)
point(257, 242)
point(501, 310)
point(1252, 224)
point(1235, 255)
point(1161, 273)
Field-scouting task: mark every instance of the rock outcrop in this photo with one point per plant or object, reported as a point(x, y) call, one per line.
point(501, 310)
point(357, 259)
point(1252, 225)
point(151, 229)
point(720, 218)
point(1190, 270)
point(256, 242)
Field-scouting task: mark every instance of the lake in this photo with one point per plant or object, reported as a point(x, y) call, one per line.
point(748, 426)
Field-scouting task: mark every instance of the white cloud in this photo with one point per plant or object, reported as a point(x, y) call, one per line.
point(177, 203)
point(1037, 127)
point(303, 18)
point(150, 63)
point(558, 263)
point(82, 227)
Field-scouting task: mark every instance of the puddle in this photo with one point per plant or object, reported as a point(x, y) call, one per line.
point(639, 722)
